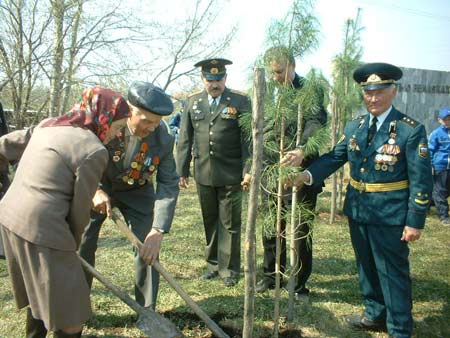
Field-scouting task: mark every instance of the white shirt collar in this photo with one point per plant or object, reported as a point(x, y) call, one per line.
point(380, 118)
point(210, 99)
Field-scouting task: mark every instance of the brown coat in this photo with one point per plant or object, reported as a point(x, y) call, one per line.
point(49, 201)
point(44, 214)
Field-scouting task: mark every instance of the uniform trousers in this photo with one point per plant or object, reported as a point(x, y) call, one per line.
point(384, 277)
point(146, 278)
point(221, 211)
point(303, 244)
point(441, 192)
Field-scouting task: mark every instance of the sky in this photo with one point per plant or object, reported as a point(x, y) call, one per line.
point(407, 33)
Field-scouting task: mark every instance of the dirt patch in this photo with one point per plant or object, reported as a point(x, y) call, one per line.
point(189, 322)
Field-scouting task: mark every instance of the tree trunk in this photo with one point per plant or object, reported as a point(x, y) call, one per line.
point(278, 231)
point(58, 50)
point(334, 124)
point(295, 225)
point(250, 232)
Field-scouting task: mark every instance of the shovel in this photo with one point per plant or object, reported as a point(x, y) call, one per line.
point(149, 322)
point(172, 282)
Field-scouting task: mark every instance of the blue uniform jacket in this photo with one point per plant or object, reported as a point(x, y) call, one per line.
point(407, 206)
point(439, 147)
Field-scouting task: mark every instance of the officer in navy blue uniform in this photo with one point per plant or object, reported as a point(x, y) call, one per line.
point(386, 201)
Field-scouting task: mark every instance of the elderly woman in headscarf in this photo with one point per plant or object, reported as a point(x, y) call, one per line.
point(45, 211)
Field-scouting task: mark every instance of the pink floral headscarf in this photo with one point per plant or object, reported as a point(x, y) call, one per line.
point(98, 109)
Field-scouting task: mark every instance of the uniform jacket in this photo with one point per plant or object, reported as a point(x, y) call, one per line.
point(439, 146)
point(219, 147)
point(145, 197)
point(49, 200)
point(399, 207)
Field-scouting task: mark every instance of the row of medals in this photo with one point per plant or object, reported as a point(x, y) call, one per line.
point(135, 173)
point(387, 155)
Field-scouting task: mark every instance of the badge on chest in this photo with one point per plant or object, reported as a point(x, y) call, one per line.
point(387, 155)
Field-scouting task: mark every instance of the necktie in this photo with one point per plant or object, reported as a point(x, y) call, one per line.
point(213, 106)
point(372, 130)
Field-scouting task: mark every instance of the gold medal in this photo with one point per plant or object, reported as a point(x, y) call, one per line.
point(130, 181)
point(139, 167)
point(377, 166)
point(134, 165)
point(151, 168)
point(116, 158)
point(125, 179)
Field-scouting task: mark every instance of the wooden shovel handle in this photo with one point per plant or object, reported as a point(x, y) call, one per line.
point(172, 282)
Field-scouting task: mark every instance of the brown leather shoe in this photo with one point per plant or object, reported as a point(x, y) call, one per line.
point(364, 323)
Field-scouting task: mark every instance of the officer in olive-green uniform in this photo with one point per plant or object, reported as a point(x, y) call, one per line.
point(210, 133)
point(386, 201)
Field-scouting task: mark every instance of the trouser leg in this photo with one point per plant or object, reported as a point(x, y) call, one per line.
point(303, 243)
point(391, 259)
point(269, 243)
point(35, 328)
point(209, 205)
point(88, 245)
point(369, 283)
point(229, 230)
point(146, 277)
point(441, 192)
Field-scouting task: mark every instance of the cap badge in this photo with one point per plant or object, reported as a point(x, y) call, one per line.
point(214, 62)
point(373, 78)
point(214, 70)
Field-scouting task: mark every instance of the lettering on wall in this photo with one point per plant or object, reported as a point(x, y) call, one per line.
point(422, 88)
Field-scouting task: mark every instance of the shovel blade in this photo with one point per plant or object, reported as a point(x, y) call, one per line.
point(163, 329)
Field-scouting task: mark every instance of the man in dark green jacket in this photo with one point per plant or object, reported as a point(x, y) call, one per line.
point(210, 133)
point(387, 198)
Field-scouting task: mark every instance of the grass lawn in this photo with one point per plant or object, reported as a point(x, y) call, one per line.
point(333, 284)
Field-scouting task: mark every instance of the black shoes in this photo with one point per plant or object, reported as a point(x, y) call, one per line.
point(210, 275)
point(364, 323)
point(229, 281)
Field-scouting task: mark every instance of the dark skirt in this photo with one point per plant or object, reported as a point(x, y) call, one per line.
point(51, 281)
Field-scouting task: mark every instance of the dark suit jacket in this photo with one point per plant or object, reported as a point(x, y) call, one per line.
point(219, 146)
point(398, 207)
point(159, 200)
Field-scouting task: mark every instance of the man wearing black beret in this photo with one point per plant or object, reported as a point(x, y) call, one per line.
point(140, 154)
point(210, 127)
point(387, 198)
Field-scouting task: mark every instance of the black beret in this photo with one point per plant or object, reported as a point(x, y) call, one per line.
point(377, 75)
point(213, 69)
point(149, 97)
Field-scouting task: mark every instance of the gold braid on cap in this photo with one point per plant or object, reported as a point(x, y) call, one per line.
point(375, 79)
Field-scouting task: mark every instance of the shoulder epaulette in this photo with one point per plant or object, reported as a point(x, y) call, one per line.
point(234, 91)
point(196, 92)
point(409, 121)
point(359, 117)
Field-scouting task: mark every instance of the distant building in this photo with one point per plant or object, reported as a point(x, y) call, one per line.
point(422, 93)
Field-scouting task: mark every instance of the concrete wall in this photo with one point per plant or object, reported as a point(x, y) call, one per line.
point(422, 93)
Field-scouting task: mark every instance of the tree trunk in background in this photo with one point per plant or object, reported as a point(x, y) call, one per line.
point(58, 8)
point(259, 86)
